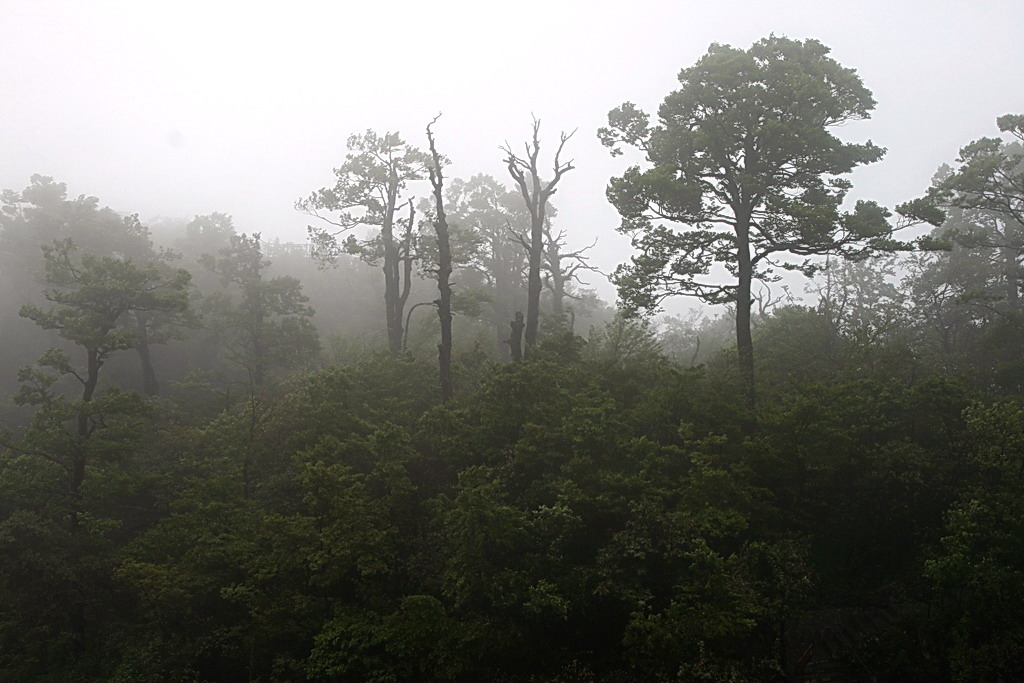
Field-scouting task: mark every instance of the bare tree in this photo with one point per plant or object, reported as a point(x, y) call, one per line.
point(536, 193)
point(563, 268)
point(444, 267)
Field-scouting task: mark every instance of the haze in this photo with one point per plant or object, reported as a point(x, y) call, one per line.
point(178, 109)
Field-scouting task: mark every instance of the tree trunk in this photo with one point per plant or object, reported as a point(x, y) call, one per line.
point(558, 297)
point(558, 278)
point(744, 340)
point(516, 341)
point(406, 258)
point(393, 312)
point(1011, 270)
point(536, 194)
point(533, 283)
point(78, 457)
point(257, 370)
point(502, 344)
point(444, 271)
point(150, 385)
point(504, 283)
point(75, 608)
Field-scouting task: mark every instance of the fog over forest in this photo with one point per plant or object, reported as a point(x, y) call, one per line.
point(663, 341)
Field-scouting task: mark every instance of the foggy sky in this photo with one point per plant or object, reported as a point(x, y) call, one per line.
point(183, 108)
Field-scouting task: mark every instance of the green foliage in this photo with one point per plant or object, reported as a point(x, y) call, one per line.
point(743, 151)
point(90, 293)
point(979, 206)
point(264, 323)
point(978, 565)
point(601, 511)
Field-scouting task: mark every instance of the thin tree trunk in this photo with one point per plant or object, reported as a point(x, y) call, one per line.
point(150, 385)
point(408, 317)
point(533, 281)
point(557, 282)
point(744, 340)
point(393, 312)
point(78, 457)
point(257, 371)
point(516, 341)
point(76, 610)
point(1008, 255)
point(406, 257)
point(558, 297)
point(536, 195)
point(444, 271)
point(504, 282)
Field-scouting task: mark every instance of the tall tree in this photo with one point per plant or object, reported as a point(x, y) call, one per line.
point(744, 158)
point(368, 192)
point(444, 267)
point(71, 437)
point(90, 294)
point(980, 204)
point(38, 215)
point(268, 325)
point(536, 193)
point(495, 216)
point(43, 212)
point(152, 326)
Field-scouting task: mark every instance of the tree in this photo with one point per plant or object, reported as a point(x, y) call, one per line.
point(744, 158)
point(153, 326)
point(269, 325)
point(38, 215)
point(562, 269)
point(494, 215)
point(536, 193)
point(976, 569)
point(42, 213)
point(367, 192)
point(980, 204)
point(208, 233)
point(90, 295)
point(444, 267)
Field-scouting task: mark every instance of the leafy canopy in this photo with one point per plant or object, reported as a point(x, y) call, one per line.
point(90, 294)
point(743, 154)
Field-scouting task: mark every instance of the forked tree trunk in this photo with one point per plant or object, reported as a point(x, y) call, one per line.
point(525, 172)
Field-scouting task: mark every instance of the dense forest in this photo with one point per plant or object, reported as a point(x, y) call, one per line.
point(224, 458)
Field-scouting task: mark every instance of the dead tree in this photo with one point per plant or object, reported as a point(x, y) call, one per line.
point(536, 193)
point(563, 268)
point(444, 268)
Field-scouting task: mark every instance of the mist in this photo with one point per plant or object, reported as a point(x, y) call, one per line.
point(565, 341)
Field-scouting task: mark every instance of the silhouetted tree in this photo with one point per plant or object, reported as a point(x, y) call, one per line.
point(269, 323)
point(368, 192)
point(744, 158)
point(536, 193)
point(444, 267)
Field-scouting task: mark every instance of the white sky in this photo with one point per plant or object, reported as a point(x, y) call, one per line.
point(184, 108)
